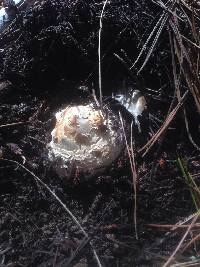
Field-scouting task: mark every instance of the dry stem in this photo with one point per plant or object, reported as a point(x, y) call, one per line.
point(99, 51)
point(181, 241)
point(133, 170)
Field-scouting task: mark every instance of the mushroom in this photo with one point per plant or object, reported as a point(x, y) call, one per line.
point(86, 137)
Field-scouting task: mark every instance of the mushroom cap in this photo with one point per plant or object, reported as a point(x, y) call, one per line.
point(86, 137)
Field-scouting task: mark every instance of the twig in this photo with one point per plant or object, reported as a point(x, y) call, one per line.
point(197, 237)
point(164, 127)
point(135, 179)
point(189, 41)
point(58, 200)
point(134, 175)
point(99, 51)
point(177, 89)
point(192, 263)
point(188, 131)
point(158, 27)
point(175, 75)
point(185, 220)
point(147, 41)
point(115, 41)
point(173, 226)
point(13, 124)
point(154, 42)
point(190, 72)
point(95, 98)
point(181, 241)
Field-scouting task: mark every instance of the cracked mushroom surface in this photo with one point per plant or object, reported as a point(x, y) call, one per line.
point(86, 137)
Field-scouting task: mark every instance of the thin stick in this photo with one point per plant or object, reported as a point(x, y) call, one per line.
point(173, 226)
point(188, 131)
point(134, 181)
point(99, 51)
point(158, 27)
point(148, 40)
point(154, 41)
point(95, 98)
point(181, 241)
point(133, 175)
point(197, 237)
point(58, 200)
point(177, 88)
point(13, 124)
point(164, 127)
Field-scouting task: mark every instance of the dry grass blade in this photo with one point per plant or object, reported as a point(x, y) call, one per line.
point(197, 237)
point(194, 263)
point(184, 221)
point(177, 89)
point(99, 51)
point(148, 40)
point(133, 170)
point(191, 22)
point(13, 124)
point(135, 179)
point(188, 131)
point(193, 187)
point(173, 226)
point(157, 30)
point(181, 241)
point(164, 127)
point(189, 41)
point(186, 56)
point(154, 42)
point(195, 91)
point(177, 77)
point(37, 179)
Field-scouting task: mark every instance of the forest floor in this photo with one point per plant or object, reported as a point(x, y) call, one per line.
point(48, 56)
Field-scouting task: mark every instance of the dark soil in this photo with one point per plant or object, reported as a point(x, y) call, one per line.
point(49, 55)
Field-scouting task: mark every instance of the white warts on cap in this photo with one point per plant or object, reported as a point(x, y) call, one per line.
point(87, 137)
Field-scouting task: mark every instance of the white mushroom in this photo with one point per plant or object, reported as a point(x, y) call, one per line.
point(86, 137)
